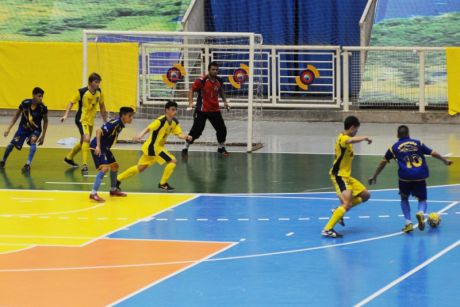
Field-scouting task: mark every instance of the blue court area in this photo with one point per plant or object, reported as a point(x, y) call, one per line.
point(280, 259)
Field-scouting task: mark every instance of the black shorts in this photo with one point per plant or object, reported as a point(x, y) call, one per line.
point(106, 158)
point(414, 188)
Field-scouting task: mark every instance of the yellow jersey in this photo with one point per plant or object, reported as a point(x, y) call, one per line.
point(160, 129)
point(343, 157)
point(88, 103)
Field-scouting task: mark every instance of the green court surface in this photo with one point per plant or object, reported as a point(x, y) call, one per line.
point(206, 172)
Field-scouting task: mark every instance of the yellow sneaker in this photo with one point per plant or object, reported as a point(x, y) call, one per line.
point(408, 228)
point(421, 220)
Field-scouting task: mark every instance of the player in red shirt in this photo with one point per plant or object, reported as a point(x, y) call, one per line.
point(209, 88)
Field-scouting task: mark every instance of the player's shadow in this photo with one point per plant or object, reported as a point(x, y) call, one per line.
point(9, 184)
point(206, 173)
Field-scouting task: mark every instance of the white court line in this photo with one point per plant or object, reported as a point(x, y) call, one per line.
point(289, 234)
point(31, 198)
point(408, 274)
point(71, 183)
point(59, 212)
point(193, 263)
point(250, 256)
point(18, 250)
point(316, 198)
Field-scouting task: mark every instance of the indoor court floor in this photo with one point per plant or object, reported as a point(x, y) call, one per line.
point(238, 231)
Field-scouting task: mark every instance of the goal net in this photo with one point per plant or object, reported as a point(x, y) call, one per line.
point(168, 64)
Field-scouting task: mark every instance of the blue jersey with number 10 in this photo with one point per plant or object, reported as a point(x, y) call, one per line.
point(410, 155)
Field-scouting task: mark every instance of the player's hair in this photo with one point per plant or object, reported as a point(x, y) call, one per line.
point(170, 104)
point(125, 110)
point(94, 77)
point(403, 131)
point(213, 64)
point(351, 121)
point(38, 90)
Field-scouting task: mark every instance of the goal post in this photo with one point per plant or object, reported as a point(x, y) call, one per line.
point(169, 62)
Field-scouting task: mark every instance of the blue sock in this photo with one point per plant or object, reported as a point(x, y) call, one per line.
point(422, 206)
point(406, 209)
point(7, 152)
point(113, 180)
point(97, 182)
point(33, 148)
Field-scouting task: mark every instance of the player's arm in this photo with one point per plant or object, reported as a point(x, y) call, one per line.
point(438, 156)
point(358, 139)
point(153, 126)
point(97, 150)
point(103, 109)
point(178, 132)
point(373, 179)
point(41, 139)
point(224, 98)
point(13, 121)
point(195, 87)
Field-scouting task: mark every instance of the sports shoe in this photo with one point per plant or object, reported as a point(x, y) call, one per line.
point(71, 162)
point(26, 168)
point(331, 233)
point(420, 219)
point(96, 197)
point(84, 169)
point(408, 228)
point(165, 187)
point(185, 153)
point(117, 193)
point(341, 221)
point(2, 164)
point(223, 151)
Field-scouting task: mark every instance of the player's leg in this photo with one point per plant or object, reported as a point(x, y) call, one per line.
point(77, 147)
point(102, 165)
point(419, 190)
point(217, 121)
point(404, 192)
point(18, 141)
point(360, 192)
point(345, 193)
point(32, 149)
point(169, 169)
point(143, 163)
point(87, 129)
point(199, 123)
point(114, 191)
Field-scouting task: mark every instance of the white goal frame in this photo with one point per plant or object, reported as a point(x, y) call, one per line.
point(251, 48)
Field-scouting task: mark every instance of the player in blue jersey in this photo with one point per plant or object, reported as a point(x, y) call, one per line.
point(412, 172)
point(106, 137)
point(32, 112)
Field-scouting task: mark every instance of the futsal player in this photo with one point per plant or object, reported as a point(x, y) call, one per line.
point(412, 172)
point(106, 137)
point(32, 112)
point(153, 150)
point(208, 88)
point(87, 98)
point(350, 191)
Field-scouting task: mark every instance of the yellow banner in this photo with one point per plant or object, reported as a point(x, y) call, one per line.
point(57, 68)
point(453, 79)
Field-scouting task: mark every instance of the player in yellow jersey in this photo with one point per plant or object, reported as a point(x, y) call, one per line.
point(153, 148)
point(350, 191)
point(88, 99)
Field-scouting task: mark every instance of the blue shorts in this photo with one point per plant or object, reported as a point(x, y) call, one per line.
point(22, 135)
point(414, 188)
point(106, 158)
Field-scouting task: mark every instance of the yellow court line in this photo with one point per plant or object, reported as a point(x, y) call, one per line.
point(71, 219)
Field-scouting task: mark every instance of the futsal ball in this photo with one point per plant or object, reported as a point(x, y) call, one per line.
point(434, 219)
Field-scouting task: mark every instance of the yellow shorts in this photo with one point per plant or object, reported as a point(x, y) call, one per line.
point(347, 183)
point(163, 157)
point(87, 129)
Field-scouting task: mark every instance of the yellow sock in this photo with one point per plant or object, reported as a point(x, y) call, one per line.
point(74, 151)
point(356, 201)
point(133, 170)
point(84, 152)
point(336, 216)
point(169, 169)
